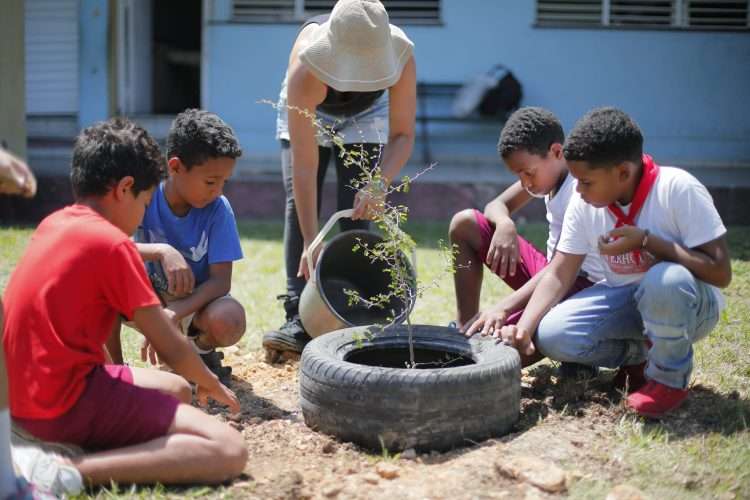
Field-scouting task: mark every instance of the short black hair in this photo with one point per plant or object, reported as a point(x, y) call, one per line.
point(106, 152)
point(532, 130)
point(603, 138)
point(197, 135)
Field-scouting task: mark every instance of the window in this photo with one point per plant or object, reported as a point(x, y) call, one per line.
point(681, 14)
point(269, 11)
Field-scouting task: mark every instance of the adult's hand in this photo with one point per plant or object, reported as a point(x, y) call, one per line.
point(369, 201)
point(304, 270)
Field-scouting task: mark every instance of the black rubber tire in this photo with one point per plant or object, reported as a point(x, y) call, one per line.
point(425, 409)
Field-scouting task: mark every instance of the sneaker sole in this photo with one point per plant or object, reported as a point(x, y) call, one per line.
point(279, 344)
point(656, 416)
point(20, 437)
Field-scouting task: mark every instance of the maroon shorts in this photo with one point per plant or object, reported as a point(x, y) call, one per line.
point(111, 413)
point(530, 262)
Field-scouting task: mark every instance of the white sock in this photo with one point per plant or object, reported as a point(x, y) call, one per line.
point(7, 475)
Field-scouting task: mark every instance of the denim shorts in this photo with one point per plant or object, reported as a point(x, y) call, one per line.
point(368, 126)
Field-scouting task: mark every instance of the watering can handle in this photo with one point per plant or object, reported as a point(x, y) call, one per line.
point(322, 234)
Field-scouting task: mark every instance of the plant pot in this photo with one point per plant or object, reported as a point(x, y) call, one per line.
point(353, 386)
point(324, 306)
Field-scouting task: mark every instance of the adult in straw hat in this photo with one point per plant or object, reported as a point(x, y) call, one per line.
point(353, 72)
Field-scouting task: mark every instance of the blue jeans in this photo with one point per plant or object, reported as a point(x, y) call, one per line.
point(607, 326)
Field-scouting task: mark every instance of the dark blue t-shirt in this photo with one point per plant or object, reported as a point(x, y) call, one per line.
point(203, 236)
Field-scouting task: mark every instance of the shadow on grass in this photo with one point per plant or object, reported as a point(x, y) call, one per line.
point(706, 410)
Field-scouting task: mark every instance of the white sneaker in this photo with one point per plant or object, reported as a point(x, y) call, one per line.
point(26, 491)
point(47, 470)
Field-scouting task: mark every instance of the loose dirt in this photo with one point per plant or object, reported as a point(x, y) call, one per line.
point(566, 429)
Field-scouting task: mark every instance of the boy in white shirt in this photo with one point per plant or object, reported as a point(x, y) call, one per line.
point(664, 252)
point(531, 145)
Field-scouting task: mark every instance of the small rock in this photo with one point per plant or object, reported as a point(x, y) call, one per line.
point(371, 478)
point(409, 454)
point(544, 475)
point(386, 470)
point(624, 492)
point(255, 420)
point(331, 490)
point(329, 448)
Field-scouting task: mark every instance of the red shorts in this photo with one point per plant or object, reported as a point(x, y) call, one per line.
point(111, 413)
point(530, 262)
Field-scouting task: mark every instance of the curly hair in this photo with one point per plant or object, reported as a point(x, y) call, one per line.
point(603, 138)
point(532, 130)
point(197, 135)
point(107, 151)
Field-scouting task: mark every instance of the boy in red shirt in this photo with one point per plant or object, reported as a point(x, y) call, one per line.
point(81, 271)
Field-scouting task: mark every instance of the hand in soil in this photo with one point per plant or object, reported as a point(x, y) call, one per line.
point(219, 393)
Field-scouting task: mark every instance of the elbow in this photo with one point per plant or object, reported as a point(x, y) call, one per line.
point(224, 289)
point(406, 137)
point(724, 279)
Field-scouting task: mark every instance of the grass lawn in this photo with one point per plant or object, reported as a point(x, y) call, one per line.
point(706, 454)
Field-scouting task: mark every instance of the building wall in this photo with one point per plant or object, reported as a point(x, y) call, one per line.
point(689, 91)
point(12, 90)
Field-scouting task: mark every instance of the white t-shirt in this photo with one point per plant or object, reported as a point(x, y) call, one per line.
point(679, 208)
point(556, 207)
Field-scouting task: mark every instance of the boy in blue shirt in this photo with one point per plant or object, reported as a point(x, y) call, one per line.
point(189, 237)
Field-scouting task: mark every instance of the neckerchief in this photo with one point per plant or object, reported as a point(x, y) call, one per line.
point(650, 173)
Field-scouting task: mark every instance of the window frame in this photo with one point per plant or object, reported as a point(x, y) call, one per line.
point(680, 19)
point(298, 14)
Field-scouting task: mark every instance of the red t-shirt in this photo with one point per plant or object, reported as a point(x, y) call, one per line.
point(78, 272)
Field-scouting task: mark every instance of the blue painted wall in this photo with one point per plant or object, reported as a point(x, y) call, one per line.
point(689, 91)
point(94, 52)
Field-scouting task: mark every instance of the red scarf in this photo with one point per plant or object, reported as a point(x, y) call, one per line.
point(650, 173)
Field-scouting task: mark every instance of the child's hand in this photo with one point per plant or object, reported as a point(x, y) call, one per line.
point(488, 322)
point(180, 279)
point(517, 337)
point(15, 176)
point(219, 393)
point(502, 256)
point(621, 240)
point(148, 353)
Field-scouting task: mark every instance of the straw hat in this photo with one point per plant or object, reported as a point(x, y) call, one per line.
point(357, 50)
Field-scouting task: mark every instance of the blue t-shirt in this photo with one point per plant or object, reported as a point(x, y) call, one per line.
point(203, 236)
